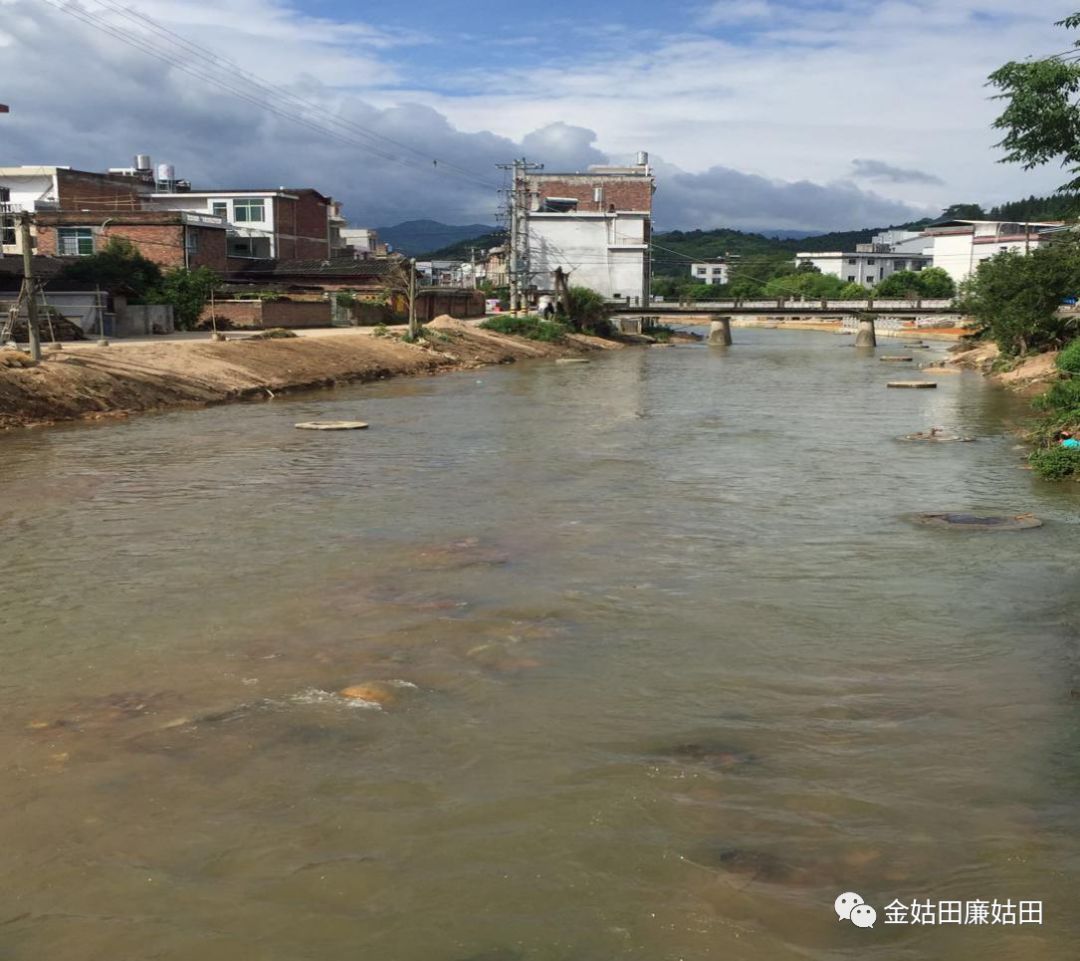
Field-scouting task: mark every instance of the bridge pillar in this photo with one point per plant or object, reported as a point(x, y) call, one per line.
point(719, 331)
point(867, 336)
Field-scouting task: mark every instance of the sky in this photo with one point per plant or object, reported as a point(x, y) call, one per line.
point(757, 114)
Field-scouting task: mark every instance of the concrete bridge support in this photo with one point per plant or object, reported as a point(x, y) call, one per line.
point(719, 331)
point(867, 336)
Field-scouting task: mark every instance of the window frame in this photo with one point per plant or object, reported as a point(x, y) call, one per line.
point(81, 235)
point(246, 204)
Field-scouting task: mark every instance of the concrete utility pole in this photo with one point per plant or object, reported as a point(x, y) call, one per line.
point(518, 255)
point(29, 289)
point(414, 328)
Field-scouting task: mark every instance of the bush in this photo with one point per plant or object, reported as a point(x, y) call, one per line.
point(528, 325)
point(1069, 358)
point(273, 333)
point(119, 267)
point(588, 311)
point(1055, 463)
point(1062, 397)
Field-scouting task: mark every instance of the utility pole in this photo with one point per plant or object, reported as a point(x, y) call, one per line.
point(414, 329)
point(29, 289)
point(518, 255)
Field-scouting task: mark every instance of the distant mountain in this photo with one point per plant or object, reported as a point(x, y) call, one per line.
point(463, 249)
point(419, 236)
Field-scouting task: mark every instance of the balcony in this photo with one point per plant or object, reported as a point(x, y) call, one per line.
point(6, 208)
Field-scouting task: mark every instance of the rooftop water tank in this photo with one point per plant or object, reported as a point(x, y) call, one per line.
point(143, 162)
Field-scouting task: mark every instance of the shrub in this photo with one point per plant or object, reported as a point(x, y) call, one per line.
point(588, 310)
point(1055, 463)
point(273, 333)
point(1062, 397)
point(528, 325)
point(1069, 358)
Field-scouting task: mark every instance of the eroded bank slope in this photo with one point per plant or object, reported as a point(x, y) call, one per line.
point(74, 384)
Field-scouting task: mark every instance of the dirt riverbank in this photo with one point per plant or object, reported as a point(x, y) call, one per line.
point(99, 383)
point(1030, 376)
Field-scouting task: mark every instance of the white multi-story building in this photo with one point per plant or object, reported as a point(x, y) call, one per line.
point(959, 246)
point(710, 272)
point(596, 226)
point(867, 265)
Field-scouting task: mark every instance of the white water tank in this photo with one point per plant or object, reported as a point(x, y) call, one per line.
point(643, 158)
point(143, 162)
point(166, 173)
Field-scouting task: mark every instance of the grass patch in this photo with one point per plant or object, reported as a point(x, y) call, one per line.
point(1055, 463)
point(529, 326)
point(1069, 359)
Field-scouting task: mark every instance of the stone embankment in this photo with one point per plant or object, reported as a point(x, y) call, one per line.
point(99, 383)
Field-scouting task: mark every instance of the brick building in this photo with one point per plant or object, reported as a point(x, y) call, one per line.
point(35, 189)
point(263, 224)
point(596, 226)
point(167, 237)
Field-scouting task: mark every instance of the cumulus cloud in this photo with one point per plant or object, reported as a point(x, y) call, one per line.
point(403, 152)
point(721, 197)
point(887, 173)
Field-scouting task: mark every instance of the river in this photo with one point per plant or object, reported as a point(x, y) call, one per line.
point(676, 670)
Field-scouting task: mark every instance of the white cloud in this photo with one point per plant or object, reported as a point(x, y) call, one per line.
point(757, 134)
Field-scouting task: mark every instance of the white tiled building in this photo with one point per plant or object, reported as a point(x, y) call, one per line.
point(868, 264)
point(959, 246)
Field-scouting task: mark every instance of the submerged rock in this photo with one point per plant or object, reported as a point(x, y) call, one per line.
point(750, 863)
point(715, 754)
point(979, 522)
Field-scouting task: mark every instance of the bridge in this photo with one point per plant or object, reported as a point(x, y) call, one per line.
point(787, 307)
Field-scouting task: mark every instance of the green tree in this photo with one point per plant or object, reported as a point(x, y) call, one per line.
point(963, 212)
point(813, 286)
point(935, 283)
point(853, 292)
point(903, 283)
point(119, 268)
point(1041, 119)
point(931, 283)
point(188, 291)
point(588, 310)
point(1016, 297)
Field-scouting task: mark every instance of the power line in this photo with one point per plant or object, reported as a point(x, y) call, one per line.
point(148, 46)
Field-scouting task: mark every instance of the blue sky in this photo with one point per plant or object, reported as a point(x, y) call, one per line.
point(798, 114)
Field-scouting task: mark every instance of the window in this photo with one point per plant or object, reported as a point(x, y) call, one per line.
point(220, 209)
point(191, 241)
point(7, 222)
point(75, 241)
point(851, 261)
point(851, 278)
point(249, 211)
point(870, 261)
point(917, 265)
point(870, 275)
point(701, 271)
point(558, 205)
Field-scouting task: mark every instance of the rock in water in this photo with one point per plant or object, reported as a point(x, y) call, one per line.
point(383, 693)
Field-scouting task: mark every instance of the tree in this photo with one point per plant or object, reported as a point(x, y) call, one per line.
point(588, 310)
point(1016, 297)
point(963, 212)
point(118, 268)
point(903, 283)
point(1041, 118)
point(188, 291)
point(935, 283)
point(813, 286)
point(854, 291)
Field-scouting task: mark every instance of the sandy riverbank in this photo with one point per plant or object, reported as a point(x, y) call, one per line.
point(100, 383)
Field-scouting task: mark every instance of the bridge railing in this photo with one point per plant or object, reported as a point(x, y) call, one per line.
point(790, 303)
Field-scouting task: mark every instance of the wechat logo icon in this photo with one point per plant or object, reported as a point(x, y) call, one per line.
point(850, 906)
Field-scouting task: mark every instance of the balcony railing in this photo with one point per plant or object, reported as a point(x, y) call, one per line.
point(6, 208)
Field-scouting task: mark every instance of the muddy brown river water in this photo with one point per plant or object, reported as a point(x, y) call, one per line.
point(662, 667)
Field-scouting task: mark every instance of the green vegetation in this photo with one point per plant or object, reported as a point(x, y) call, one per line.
point(118, 268)
point(1055, 462)
point(588, 311)
point(1016, 297)
point(932, 283)
point(1041, 119)
point(188, 291)
point(274, 333)
point(1069, 359)
point(527, 325)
